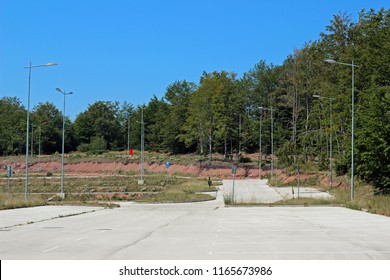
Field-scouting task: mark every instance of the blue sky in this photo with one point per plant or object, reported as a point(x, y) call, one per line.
point(118, 50)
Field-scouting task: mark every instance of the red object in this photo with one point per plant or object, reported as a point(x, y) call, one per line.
point(131, 152)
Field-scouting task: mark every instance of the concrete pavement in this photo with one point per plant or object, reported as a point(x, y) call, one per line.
point(22, 216)
point(204, 230)
point(254, 191)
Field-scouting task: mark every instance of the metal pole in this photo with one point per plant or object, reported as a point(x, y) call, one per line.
point(28, 131)
point(32, 141)
point(128, 133)
point(39, 150)
point(330, 145)
point(239, 137)
point(63, 147)
point(142, 143)
point(353, 132)
point(353, 123)
point(272, 142)
point(234, 180)
point(63, 139)
point(9, 171)
point(260, 154)
point(299, 176)
point(28, 119)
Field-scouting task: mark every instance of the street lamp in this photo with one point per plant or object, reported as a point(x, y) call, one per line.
point(141, 182)
point(352, 65)
point(142, 145)
point(272, 137)
point(28, 117)
point(128, 133)
point(260, 151)
point(330, 137)
point(63, 137)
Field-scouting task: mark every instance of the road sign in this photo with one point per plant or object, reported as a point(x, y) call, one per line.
point(9, 170)
point(167, 164)
point(234, 169)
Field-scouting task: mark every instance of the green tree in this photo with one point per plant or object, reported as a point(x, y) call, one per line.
point(12, 126)
point(210, 115)
point(48, 118)
point(178, 97)
point(100, 119)
point(155, 114)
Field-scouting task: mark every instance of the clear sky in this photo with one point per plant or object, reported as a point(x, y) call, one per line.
point(130, 50)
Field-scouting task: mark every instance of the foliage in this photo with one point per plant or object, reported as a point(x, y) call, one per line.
point(12, 126)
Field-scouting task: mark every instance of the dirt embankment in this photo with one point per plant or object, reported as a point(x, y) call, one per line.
point(205, 170)
point(201, 170)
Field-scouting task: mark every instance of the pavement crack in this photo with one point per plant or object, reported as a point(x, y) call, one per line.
point(145, 236)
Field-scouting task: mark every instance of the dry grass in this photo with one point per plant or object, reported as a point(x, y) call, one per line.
point(12, 201)
point(89, 189)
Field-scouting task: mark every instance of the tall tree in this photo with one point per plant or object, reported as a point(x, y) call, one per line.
point(178, 97)
point(99, 120)
point(12, 126)
point(47, 118)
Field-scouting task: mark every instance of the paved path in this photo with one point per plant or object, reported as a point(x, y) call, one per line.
point(205, 230)
point(258, 191)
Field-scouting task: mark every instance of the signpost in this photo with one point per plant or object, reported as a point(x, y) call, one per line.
point(234, 171)
point(167, 165)
point(9, 172)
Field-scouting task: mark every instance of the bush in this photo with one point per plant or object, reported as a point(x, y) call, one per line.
point(83, 148)
point(341, 167)
point(245, 160)
point(98, 144)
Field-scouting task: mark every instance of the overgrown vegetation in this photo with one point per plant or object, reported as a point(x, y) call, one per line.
point(13, 201)
point(92, 189)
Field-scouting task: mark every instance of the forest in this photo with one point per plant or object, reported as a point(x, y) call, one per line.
point(299, 108)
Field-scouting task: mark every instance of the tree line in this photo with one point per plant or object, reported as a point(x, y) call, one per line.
point(222, 112)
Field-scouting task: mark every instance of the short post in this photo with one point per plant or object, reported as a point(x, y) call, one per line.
point(299, 179)
point(209, 182)
point(9, 171)
point(234, 171)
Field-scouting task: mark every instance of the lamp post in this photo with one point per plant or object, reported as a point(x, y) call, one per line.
point(330, 137)
point(39, 150)
point(63, 138)
point(141, 181)
point(352, 65)
point(28, 117)
point(142, 145)
point(260, 151)
point(128, 133)
point(272, 137)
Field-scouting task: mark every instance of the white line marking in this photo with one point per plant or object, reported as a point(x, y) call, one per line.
point(51, 249)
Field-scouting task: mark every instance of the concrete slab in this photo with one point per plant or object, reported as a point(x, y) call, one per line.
point(23, 216)
point(197, 231)
point(258, 191)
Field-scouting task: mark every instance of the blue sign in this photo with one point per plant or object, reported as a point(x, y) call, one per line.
point(9, 170)
point(167, 164)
